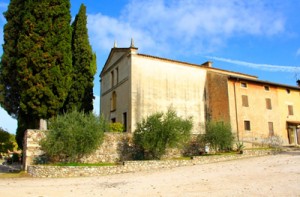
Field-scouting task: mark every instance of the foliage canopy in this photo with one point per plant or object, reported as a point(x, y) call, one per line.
point(218, 135)
point(7, 141)
point(160, 131)
point(81, 96)
point(73, 135)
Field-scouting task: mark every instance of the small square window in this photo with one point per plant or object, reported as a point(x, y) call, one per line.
point(243, 85)
point(247, 126)
point(267, 88)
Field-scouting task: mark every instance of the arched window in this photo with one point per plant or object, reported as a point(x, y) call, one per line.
point(113, 101)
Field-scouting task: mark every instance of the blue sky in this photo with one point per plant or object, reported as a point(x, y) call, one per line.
point(260, 38)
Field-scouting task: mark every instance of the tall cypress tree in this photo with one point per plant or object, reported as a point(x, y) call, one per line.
point(43, 61)
point(9, 88)
point(84, 64)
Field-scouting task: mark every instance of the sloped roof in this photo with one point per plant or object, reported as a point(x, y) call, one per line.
point(264, 82)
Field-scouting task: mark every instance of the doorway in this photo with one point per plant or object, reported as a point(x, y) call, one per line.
point(294, 134)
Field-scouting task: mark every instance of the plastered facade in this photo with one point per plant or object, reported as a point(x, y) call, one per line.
point(146, 84)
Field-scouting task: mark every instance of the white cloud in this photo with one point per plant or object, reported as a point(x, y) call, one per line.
point(185, 24)
point(266, 67)
point(298, 52)
point(7, 123)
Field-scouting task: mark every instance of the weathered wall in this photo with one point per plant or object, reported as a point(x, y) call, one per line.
point(217, 97)
point(115, 147)
point(257, 112)
point(118, 63)
point(135, 166)
point(31, 147)
point(158, 84)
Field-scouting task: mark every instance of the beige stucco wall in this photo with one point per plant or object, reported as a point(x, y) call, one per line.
point(119, 63)
point(160, 84)
point(285, 98)
point(257, 113)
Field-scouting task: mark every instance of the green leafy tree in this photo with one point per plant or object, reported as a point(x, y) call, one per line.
point(218, 135)
point(84, 64)
point(160, 131)
point(37, 55)
point(6, 141)
point(73, 135)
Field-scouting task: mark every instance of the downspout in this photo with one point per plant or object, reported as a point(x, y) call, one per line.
point(236, 111)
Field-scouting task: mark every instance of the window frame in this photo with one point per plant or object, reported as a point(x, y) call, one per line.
point(268, 103)
point(244, 85)
point(267, 88)
point(113, 101)
point(271, 129)
point(247, 125)
point(290, 110)
point(245, 101)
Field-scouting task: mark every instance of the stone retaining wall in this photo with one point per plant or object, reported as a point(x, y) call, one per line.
point(115, 147)
point(134, 166)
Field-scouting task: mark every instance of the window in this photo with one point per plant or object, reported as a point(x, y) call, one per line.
point(268, 103)
point(267, 88)
point(245, 101)
point(288, 91)
point(271, 129)
point(113, 101)
point(112, 78)
point(125, 121)
point(113, 120)
point(291, 111)
point(117, 73)
point(247, 125)
point(243, 85)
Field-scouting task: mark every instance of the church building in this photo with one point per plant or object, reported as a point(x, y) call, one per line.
point(134, 86)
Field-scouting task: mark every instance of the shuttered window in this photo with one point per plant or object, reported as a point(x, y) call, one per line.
point(268, 103)
point(291, 111)
point(245, 101)
point(271, 129)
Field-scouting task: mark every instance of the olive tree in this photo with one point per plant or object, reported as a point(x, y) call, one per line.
point(73, 135)
point(160, 131)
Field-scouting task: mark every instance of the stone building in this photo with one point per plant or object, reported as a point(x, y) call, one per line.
point(135, 85)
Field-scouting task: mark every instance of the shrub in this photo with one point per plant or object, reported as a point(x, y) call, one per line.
point(73, 135)
point(116, 127)
point(219, 136)
point(274, 141)
point(160, 131)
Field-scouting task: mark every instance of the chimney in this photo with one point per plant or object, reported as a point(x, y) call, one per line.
point(207, 64)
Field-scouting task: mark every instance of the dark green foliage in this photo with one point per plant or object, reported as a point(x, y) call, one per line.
point(6, 142)
point(160, 131)
point(9, 88)
point(218, 135)
point(73, 135)
point(45, 58)
point(37, 61)
point(84, 64)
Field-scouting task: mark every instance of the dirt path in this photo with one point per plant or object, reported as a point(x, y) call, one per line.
point(277, 175)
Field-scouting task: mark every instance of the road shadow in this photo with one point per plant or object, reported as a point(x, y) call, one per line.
point(13, 168)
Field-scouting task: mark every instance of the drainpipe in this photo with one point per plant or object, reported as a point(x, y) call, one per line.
point(236, 111)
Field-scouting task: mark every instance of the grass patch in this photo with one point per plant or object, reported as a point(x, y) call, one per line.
point(84, 164)
point(21, 174)
point(180, 158)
